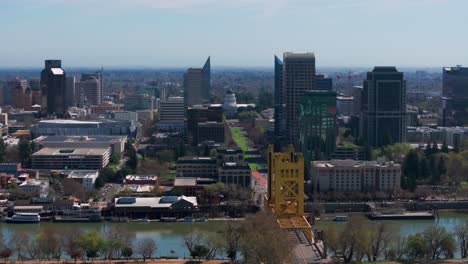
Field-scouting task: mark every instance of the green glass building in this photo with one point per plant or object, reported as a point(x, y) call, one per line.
point(317, 125)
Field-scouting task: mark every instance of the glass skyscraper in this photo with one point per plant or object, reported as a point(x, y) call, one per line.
point(384, 107)
point(317, 125)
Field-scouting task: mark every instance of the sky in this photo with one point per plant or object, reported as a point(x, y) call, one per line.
point(240, 33)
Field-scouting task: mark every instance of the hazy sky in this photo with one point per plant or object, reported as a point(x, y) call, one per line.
point(181, 33)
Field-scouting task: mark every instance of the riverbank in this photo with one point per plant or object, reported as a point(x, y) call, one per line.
point(122, 261)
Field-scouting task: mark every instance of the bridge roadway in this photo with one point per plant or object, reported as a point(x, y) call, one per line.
point(304, 252)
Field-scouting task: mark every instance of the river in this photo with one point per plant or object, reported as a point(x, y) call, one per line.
point(169, 237)
point(407, 227)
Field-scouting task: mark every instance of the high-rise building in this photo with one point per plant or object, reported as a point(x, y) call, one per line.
point(345, 105)
point(35, 85)
point(53, 87)
point(9, 90)
point(317, 125)
point(197, 85)
point(279, 126)
point(323, 82)
point(384, 107)
point(70, 92)
point(455, 96)
point(88, 90)
point(172, 109)
point(199, 114)
point(297, 76)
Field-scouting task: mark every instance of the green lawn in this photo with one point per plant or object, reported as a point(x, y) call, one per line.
point(253, 166)
point(239, 138)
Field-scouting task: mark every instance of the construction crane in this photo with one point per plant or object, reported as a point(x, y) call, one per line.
point(349, 78)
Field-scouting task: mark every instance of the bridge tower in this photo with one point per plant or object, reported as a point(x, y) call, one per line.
point(285, 197)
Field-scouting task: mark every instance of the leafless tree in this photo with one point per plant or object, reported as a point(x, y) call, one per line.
point(49, 243)
point(146, 248)
point(461, 231)
point(264, 242)
point(232, 236)
point(18, 240)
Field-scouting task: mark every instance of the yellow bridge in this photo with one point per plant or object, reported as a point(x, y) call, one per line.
point(285, 197)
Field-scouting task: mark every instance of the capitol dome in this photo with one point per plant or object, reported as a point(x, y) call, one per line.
point(230, 104)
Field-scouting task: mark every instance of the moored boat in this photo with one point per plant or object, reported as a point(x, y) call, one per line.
point(24, 218)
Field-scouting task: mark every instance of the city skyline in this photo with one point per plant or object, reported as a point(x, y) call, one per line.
point(244, 33)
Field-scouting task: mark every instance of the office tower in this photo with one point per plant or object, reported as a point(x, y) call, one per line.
point(22, 97)
point(230, 104)
point(345, 105)
point(172, 109)
point(53, 87)
point(197, 85)
point(298, 76)
point(35, 85)
point(70, 91)
point(278, 97)
point(357, 102)
point(10, 87)
point(317, 125)
point(455, 96)
point(207, 118)
point(323, 82)
point(89, 90)
point(384, 107)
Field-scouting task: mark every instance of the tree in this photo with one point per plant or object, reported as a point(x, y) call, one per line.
point(18, 240)
point(398, 249)
point(146, 248)
point(410, 170)
point(6, 253)
point(91, 243)
point(49, 243)
point(3, 149)
point(439, 241)
point(417, 247)
point(380, 237)
point(127, 252)
point(263, 241)
point(461, 232)
point(25, 151)
point(131, 154)
point(353, 241)
point(232, 236)
point(445, 148)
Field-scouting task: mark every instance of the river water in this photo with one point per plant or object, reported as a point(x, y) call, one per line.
point(169, 237)
point(407, 227)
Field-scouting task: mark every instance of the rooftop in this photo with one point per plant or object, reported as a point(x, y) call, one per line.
point(80, 139)
point(82, 174)
point(154, 202)
point(70, 151)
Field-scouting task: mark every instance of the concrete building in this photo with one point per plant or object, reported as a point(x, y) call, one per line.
point(355, 176)
point(172, 115)
point(53, 88)
point(88, 90)
point(86, 178)
point(197, 85)
point(142, 179)
point(235, 173)
point(192, 186)
point(172, 109)
point(297, 76)
point(197, 167)
point(105, 107)
point(145, 116)
point(384, 107)
point(70, 91)
point(34, 188)
point(323, 82)
point(126, 115)
point(452, 136)
point(345, 105)
point(230, 104)
point(65, 127)
point(115, 143)
point(71, 159)
point(134, 102)
point(224, 155)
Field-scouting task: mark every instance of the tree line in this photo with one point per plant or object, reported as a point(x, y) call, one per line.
point(359, 241)
point(258, 239)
